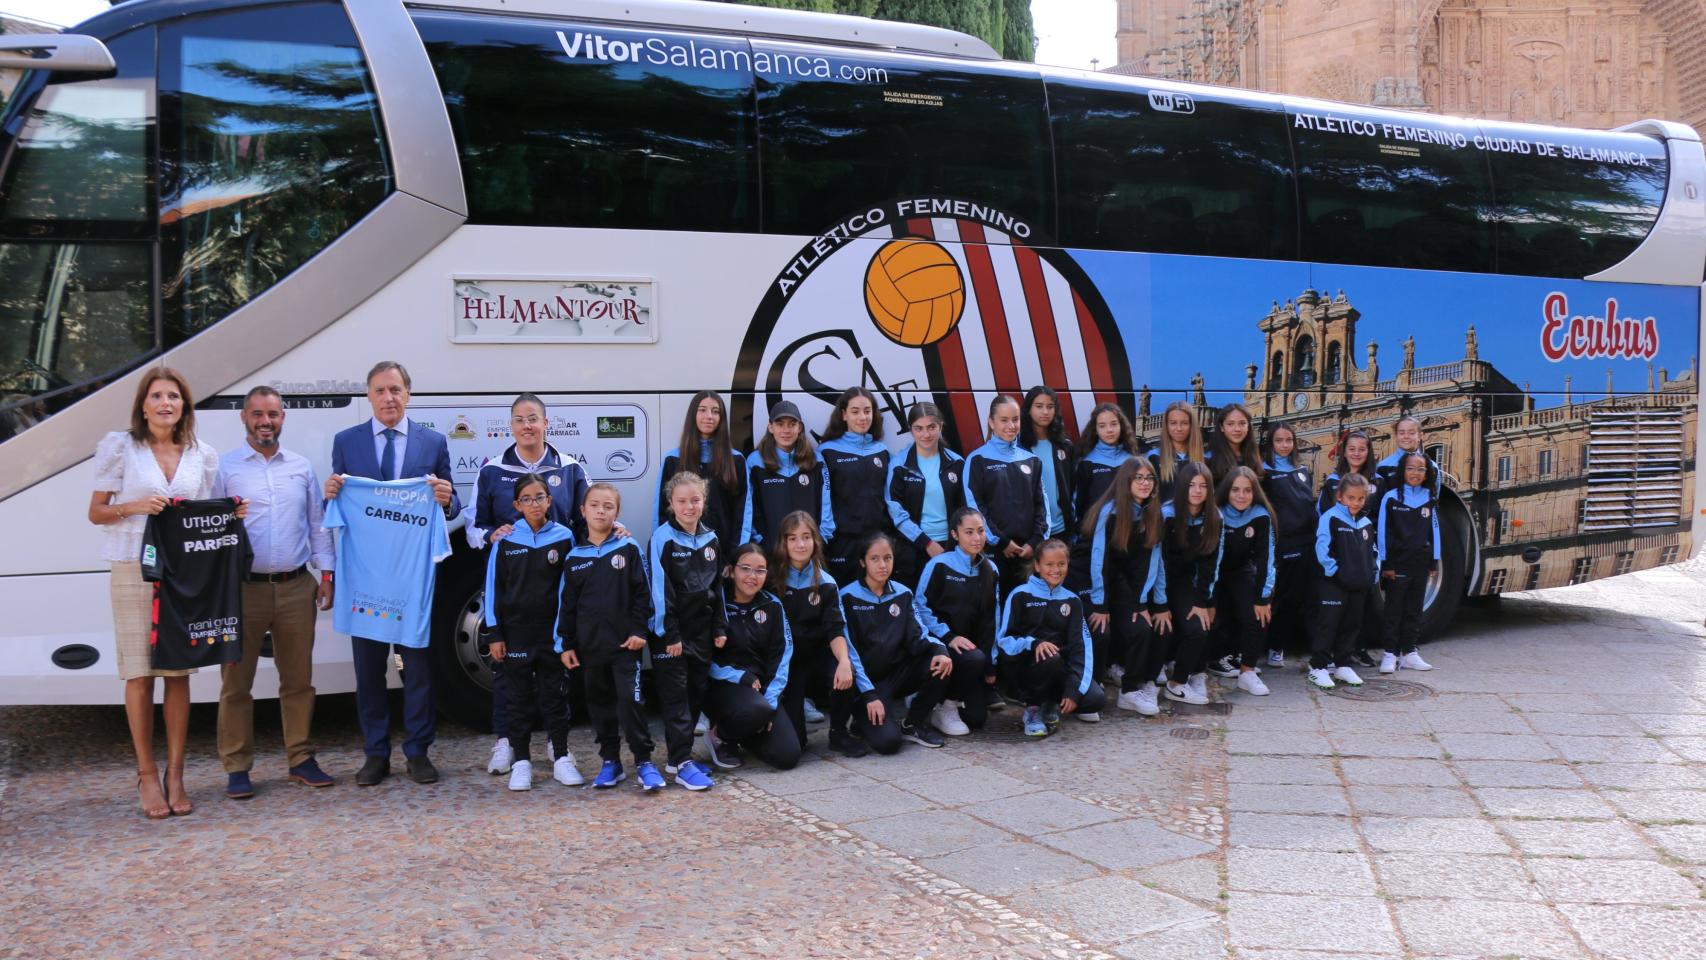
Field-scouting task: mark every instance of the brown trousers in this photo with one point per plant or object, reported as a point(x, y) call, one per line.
point(287, 610)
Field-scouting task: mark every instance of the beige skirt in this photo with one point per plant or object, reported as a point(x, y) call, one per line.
point(133, 623)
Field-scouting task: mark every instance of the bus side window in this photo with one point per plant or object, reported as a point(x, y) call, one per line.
point(1573, 203)
point(1381, 194)
point(844, 131)
point(1164, 174)
point(565, 125)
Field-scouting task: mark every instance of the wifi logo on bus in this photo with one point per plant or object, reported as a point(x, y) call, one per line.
point(1172, 102)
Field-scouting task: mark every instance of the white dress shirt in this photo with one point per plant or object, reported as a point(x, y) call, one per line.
point(128, 470)
point(398, 446)
point(285, 509)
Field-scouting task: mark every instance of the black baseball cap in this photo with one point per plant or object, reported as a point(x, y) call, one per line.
point(785, 409)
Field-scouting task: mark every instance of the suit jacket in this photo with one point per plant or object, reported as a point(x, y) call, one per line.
point(427, 452)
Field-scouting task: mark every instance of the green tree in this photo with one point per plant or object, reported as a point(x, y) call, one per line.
point(1004, 24)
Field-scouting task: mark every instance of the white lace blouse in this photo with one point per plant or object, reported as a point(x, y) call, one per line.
point(128, 470)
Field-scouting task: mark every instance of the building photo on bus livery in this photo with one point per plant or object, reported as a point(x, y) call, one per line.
point(839, 478)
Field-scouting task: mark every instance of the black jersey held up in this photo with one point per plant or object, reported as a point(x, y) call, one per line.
point(196, 553)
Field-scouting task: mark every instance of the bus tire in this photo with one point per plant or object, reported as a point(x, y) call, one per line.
point(462, 678)
point(1441, 604)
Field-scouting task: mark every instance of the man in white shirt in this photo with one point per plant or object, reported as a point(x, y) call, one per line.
point(280, 594)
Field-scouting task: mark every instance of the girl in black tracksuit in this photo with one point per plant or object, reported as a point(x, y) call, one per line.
point(823, 669)
point(1039, 615)
point(1246, 581)
point(858, 466)
point(711, 454)
point(601, 628)
point(1181, 443)
point(925, 489)
point(1408, 549)
point(1344, 548)
point(1004, 483)
point(1106, 443)
point(749, 670)
point(688, 619)
point(1190, 547)
point(785, 474)
point(1128, 590)
point(1356, 455)
point(899, 658)
point(1290, 491)
point(1042, 433)
point(957, 603)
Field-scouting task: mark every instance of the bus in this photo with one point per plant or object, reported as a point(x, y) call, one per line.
point(616, 204)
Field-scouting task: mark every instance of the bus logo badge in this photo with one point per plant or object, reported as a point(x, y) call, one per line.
point(1172, 102)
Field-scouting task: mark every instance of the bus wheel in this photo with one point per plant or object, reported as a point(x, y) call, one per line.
point(463, 677)
point(1449, 580)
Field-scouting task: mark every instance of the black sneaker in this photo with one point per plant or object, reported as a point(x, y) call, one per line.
point(1051, 716)
point(1364, 660)
point(725, 754)
point(921, 735)
point(847, 744)
point(1224, 667)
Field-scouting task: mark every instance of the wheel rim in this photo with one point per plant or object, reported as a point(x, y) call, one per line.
point(466, 641)
point(1436, 576)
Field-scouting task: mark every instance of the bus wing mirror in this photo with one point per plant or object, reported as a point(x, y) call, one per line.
point(55, 53)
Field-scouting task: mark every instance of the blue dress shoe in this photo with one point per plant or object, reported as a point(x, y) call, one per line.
point(308, 772)
point(238, 787)
point(609, 775)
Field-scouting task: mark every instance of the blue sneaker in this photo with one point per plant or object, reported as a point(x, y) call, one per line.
point(650, 778)
point(309, 773)
point(1051, 716)
point(609, 775)
point(238, 787)
point(1034, 725)
point(692, 776)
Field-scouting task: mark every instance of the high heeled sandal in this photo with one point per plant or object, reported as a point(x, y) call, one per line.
point(187, 807)
point(153, 813)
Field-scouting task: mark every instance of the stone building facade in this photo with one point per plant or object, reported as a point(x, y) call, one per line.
point(1553, 492)
point(1588, 63)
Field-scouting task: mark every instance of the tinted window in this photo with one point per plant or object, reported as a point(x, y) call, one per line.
point(272, 149)
point(567, 125)
point(843, 132)
point(1572, 202)
point(1171, 175)
point(1409, 191)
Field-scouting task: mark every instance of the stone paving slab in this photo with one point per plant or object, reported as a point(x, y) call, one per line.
point(1476, 927)
point(1619, 932)
point(1286, 871)
point(1046, 811)
point(1007, 868)
point(1126, 844)
point(1432, 835)
point(1110, 908)
point(1343, 924)
point(1462, 875)
point(1613, 881)
point(1286, 798)
point(1548, 803)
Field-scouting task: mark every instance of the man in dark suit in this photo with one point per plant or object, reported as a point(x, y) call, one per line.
point(390, 446)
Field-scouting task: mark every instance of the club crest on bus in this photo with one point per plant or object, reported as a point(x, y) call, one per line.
point(929, 299)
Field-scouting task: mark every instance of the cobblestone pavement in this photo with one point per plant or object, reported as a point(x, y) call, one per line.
point(1541, 794)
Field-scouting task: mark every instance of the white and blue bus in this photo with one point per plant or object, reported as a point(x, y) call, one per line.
point(616, 204)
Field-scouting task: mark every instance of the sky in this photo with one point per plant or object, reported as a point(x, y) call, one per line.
point(1070, 33)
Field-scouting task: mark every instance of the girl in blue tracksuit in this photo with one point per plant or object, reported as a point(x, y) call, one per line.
point(749, 670)
point(1105, 444)
point(924, 490)
point(1043, 651)
point(688, 620)
point(1291, 495)
point(825, 668)
point(1042, 432)
point(711, 454)
point(1190, 547)
point(1128, 586)
point(899, 658)
point(1407, 436)
point(1181, 443)
point(956, 601)
point(1408, 549)
point(523, 571)
point(858, 465)
point(1246, 579)
point(1233, 444)
point(1345, 550)
point(785, 474)
point(1356, 455)
point(1004, 482)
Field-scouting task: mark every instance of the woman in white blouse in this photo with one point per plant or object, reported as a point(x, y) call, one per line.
point(137, 472)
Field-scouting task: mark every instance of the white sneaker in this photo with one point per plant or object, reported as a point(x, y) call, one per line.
point(1347, 676)
point(703, 725)
point(502, 757)
point(1388, 663)
point(812, 714)
point(1149, 699)
point(1276, 658)
point(1185, 693)
point(563, 770)
point(1116, 673)
point(1129, 700)
point(1252, 684)
point(946, 718)
point(1089, 716)
point(1413, 661)
point(1161, 678)
point(1199, 685)
point(521, 775)
point(1321, 679)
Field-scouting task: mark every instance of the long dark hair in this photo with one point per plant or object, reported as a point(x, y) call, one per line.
point(1268, 442)
point(1090, 436)
point(1188, 471)
point(1028, 431)
point(804, 453)
point(725, 463)
point(743, 551)
point(1343, 468)
point(1119, 494)
point(183, 432)
point(838, 417)
point(1225, 456)
point(1223, 495)
point(1428, 479)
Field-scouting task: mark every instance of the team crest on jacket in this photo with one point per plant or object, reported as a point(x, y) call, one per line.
point(1060, 454)
point(551, 556)
point(1066, 609)
point(1249, 532)
point(953, 477)
point(1364, 532)
point(933, 299)
point(555, 480)
point(760, 617)
point(1025, 469)
point(879, 462)
point(894, 609)
point(710, 553)
point(618, 561)
point(1425, 513)
point(805, 480)
point(813, 599)
point(1302, 477)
